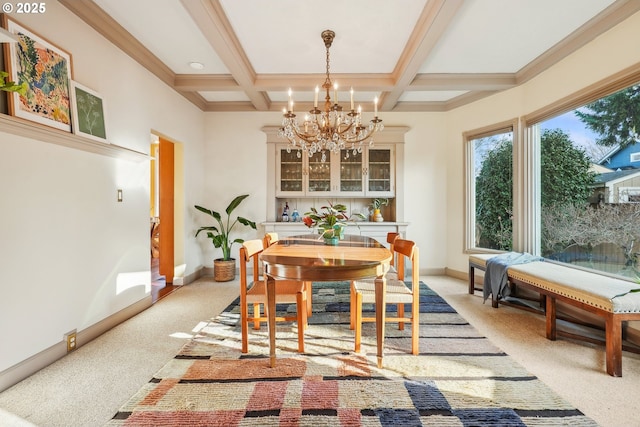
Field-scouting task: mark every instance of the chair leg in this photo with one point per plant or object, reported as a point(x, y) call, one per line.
point(244, 313)
point(256, 315)
point(415, 329)
point(400, 316)
point(358, 320)
point(302, 318)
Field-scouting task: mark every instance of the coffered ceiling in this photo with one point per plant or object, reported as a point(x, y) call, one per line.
point(415, 55)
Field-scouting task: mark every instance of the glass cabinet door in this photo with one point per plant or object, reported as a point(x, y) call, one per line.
point(290, 167)
point(351, 171)
point(319, 173)
point(380, 171)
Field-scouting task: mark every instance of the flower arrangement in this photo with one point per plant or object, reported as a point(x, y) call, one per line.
point(374, 208)
point(331, 219)
point(378, 203)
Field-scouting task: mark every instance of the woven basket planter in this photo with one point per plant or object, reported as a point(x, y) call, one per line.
point(224, 271)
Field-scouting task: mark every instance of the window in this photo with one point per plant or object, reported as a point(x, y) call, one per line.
point(590, 215)
point(490, 188)
point(634, 157)
point(629, 195)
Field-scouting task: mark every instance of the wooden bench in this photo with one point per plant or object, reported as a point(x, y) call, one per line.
point(602, 295)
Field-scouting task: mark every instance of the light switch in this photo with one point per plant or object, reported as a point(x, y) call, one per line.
point(119, 195)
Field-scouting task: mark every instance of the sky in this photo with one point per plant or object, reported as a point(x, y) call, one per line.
point(578, 133)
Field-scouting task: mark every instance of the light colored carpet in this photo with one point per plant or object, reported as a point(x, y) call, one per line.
point(105, 373)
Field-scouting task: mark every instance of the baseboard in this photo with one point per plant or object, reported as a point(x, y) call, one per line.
point(456, 274)
point(190, 278)
point(33, 364)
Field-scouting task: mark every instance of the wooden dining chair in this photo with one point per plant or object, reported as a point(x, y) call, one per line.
point(272, 238)
point(391, 274)
point(254, 292)
point(398, 292)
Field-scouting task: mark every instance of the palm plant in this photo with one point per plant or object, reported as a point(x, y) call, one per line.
point(219, 234)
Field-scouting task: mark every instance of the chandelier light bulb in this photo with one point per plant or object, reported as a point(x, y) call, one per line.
point(352, 99)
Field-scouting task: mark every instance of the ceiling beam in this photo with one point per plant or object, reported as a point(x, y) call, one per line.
point(307, 82)
point(432, 23)
point(105, 25)
point(462, 81)
point(216, 28)
point(205, 82)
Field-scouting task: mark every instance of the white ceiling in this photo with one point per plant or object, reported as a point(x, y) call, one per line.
point(415, 55)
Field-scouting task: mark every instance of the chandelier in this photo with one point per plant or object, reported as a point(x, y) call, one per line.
point(330, 129)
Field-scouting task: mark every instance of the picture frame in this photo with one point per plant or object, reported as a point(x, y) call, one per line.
point(46, 69)
point(88, 113)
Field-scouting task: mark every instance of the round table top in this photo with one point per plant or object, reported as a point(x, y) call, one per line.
point(308, 258)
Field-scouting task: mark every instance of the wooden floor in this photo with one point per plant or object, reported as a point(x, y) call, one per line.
point(159, 287)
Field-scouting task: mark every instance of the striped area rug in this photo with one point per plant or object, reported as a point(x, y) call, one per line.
point(459, 378)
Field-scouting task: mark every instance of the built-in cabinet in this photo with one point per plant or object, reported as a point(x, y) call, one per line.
point(300, 181)
point(369, 172)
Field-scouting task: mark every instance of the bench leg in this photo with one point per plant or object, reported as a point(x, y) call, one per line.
point(472, 283)
point(551, 318)
point(613, 342)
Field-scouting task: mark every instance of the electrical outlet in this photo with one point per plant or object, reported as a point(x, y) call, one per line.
point(70, 338)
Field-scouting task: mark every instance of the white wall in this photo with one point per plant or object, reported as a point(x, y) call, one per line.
point(71, 255)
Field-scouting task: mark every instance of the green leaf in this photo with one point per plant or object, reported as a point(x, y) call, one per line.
point(235, 202)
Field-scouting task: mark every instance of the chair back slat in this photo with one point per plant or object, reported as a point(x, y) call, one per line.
point(391, 238)
point(404, 249)
point(250, 251)
point(270, 239)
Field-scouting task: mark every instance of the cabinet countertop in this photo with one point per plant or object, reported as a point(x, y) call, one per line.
point(367, 223)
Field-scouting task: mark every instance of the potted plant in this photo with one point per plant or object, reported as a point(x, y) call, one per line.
point(9, 86)
point(330, 220)
point(224, 269)
point(375, 206)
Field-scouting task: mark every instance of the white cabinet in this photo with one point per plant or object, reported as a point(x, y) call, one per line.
point(369, 173)
point(297, 174)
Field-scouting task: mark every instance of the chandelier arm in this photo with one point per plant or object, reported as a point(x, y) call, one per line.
point(307, 137)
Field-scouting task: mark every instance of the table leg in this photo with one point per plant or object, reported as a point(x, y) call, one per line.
point(381, 314)
point(271, 319)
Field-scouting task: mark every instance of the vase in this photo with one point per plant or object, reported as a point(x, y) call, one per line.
point(377, 216)
point(331, 241)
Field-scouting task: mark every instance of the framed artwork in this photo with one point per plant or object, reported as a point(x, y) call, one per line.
point(47, 71)
point(87, 109)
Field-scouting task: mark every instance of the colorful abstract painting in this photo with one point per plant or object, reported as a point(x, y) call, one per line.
point(47, 71)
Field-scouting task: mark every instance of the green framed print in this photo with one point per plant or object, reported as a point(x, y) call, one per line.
point(88, 113)
point(46, 69)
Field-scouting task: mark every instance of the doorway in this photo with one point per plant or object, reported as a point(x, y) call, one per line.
point(162, 184)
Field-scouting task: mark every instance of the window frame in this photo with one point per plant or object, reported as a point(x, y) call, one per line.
point(468, 137)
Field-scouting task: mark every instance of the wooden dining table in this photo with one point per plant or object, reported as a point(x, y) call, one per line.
point(307, 258)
